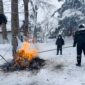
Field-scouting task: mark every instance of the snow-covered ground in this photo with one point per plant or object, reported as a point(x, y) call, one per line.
point(59, 69)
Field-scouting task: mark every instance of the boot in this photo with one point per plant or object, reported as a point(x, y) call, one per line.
point(60, 52)
point(78, 64)
point(78, 61)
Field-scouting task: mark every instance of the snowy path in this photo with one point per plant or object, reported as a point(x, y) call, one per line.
point(59, 70)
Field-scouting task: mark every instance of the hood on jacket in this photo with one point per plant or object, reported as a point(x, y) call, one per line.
point(81, 27)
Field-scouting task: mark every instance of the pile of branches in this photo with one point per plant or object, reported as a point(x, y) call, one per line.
point(23, 64)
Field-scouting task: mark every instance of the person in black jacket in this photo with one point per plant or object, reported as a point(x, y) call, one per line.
point(79, 40)
point(59, 43)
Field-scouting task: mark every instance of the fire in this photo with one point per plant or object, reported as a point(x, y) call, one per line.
point(27, 52)
point(25, 58)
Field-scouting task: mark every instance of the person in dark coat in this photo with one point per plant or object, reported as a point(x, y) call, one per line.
point(79, 40)
point(59, 43)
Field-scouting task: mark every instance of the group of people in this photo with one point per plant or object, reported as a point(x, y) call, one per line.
point(79, 43)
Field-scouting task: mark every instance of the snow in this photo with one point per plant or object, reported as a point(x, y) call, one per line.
point(41, 11)
point(68, 74)
point(72, 12)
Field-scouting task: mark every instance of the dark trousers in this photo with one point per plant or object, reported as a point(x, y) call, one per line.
point(59, 49)
point(80, 49)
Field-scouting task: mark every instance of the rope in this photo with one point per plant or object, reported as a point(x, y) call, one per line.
point(39, 52)
point(4, 55)
point(4, 59)
point(54, 49)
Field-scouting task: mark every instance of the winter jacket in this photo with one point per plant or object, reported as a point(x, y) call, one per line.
point(59, 42)
point(79, 38)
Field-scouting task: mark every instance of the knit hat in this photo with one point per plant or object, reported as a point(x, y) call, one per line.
point(81, 26)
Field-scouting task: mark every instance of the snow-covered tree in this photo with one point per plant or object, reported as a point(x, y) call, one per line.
point(71, 15)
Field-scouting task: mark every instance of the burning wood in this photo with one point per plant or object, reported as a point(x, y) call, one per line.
point(35, 64)
point(25, 57)
point(27, 52)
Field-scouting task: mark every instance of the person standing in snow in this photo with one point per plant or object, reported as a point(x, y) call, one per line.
point(79, 40)
point(59, 43)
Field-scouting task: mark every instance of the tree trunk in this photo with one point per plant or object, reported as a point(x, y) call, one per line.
point(4, 30)
point(14, 25)
point(25, 29)
point(35, 22)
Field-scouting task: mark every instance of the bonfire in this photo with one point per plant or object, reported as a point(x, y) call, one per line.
point(26, 57)
point(25, 54)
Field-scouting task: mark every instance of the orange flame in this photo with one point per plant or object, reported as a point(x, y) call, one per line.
point(27, 52)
